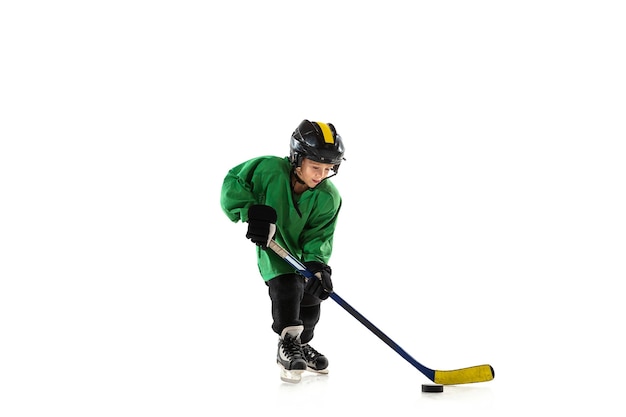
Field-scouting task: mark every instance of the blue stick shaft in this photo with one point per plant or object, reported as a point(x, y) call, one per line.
point(429, 373)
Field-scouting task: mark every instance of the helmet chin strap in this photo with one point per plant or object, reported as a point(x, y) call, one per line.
point(297, 177)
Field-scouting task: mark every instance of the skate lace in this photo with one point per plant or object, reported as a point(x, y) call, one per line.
point(291, 348)
point(310, 353)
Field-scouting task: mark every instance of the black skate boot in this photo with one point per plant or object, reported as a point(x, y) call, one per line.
point(315, 361)
point(290, 357)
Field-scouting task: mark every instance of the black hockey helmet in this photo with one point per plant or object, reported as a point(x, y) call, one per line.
point(318, 142)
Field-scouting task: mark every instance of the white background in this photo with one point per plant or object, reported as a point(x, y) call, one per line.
point(483, 216)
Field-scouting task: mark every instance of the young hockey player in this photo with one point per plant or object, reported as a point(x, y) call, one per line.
point(291, 200)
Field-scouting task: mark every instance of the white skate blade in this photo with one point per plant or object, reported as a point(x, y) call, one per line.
point(321, 371)
point(292, 377)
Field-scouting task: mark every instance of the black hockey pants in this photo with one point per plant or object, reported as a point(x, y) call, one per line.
point(291, 306)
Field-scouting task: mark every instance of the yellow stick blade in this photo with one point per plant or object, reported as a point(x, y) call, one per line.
point(480, 373)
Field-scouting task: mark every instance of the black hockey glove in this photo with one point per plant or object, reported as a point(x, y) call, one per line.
point(320, 285)
point(261, 224)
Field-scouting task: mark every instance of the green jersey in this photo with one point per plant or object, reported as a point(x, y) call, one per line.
point(305, 223)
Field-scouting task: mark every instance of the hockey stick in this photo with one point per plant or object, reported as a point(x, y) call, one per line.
point(479, 373)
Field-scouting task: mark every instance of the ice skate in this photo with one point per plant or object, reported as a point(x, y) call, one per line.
point(290, 357)
point(315, 361)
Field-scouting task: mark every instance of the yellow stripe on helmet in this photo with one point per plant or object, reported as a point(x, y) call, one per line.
point(326, 132)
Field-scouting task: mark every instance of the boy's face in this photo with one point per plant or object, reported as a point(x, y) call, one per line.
point(312, 173)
